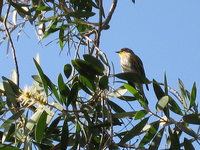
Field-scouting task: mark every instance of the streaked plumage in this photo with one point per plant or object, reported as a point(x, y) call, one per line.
point(130, 62)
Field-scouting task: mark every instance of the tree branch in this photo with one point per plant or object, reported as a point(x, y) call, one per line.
point(12, 44)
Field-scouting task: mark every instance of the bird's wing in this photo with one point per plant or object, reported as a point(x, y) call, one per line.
point(140, 68)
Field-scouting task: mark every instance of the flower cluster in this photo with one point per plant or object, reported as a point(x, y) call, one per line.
point(30, 96)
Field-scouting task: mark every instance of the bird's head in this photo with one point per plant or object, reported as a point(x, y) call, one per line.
point(125, 52)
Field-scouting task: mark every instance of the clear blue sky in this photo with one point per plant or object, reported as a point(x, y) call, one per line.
point(164, 33)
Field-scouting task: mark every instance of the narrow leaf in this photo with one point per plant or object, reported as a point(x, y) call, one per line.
point(156, 141)
point(42, 76)
point(193, 95)
point(140, 114)
point(64, 135)
point(192, 119)
point(133, 77)
point(149, 134)
point(134, 131)
point(40, 127)
point(188, 144)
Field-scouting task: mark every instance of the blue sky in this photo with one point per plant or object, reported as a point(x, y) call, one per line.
point(165, 34)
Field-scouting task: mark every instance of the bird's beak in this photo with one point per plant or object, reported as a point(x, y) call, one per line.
point(117, 52)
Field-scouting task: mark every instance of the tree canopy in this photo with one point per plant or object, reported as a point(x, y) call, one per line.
point(79, 111)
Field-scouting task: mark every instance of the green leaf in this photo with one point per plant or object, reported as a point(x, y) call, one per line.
point(173, 106)
point(103, 82)
point(87, 82)
point(188, 144)
point(192, 119)
point(32, 121)
point(162, 103)
point(10, 148)
point(140, 114)
point(81, 14)
point(52, 87)
point(52, 27)
point(10, 94)
point(44, 8)
point(136, 130)
point(61, 37)
point(193, 95)
point(53, 125)
point(158, 90)
point(40, 127)
point(73, 93)
point(64, 135)
point(133, 77)
point(115, 107)
point(67, 70)
point(137, 94)
point(124, 115)
point(149, 134)
point(63, 89)
point(183, 92)
point(96, 63)
point(156, 141)
point(83, 68)
point(13, 118)
point(165, 84)
point(42, 76)
point(175, 144)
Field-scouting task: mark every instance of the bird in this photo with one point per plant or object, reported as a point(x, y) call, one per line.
point(130, 62)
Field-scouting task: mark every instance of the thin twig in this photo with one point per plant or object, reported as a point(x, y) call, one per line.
point(97, 42)
point(110, 14)
point(12, 45)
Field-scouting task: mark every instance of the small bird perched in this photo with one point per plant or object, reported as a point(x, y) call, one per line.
point(130, 62)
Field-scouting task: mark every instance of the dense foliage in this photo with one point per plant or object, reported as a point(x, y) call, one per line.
point(81, 110)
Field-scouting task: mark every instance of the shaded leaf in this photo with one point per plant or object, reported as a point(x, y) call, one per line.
point(165, 84)
point(156, 141)
point(173, 106)
point(40, 127)
point(67, 70)
point(140, 114)
point(42, 76)
point(73, 94)
point(115, 107)
point(103, 82)
point(96, 63)
point(13, 118)
point(134, 131)
point(158, 90)
point(81, 14)
point(63, 89)
point(192, 119)
point(87, 82)
point(149, 134)
point(64, 135)
point(188, 144)
point(132, 77)
point(175, 144)
point(124, 115)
